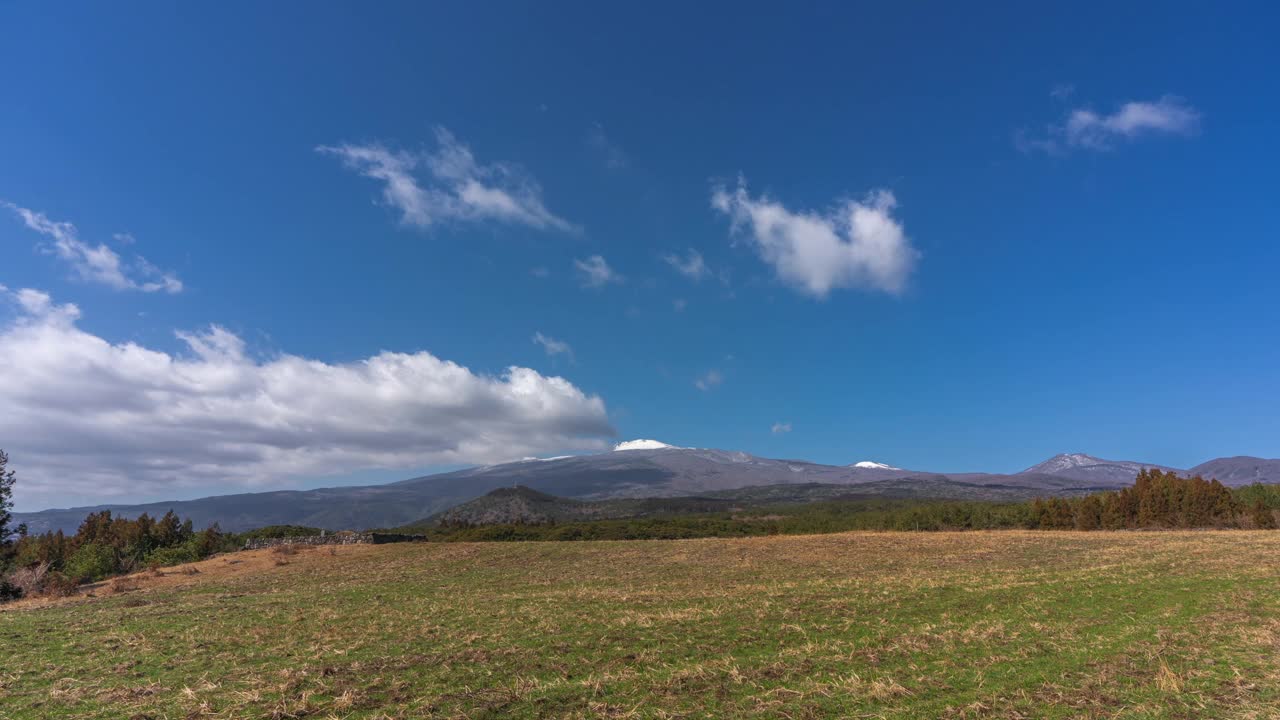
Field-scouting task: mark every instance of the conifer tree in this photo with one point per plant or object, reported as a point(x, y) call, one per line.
point(7, 480)
point(1263, 518)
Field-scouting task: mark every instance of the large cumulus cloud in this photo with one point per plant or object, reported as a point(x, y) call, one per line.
point(84, 417)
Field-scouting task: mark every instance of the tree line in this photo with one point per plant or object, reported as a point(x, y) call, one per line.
point(1158, 499)
point(105, 546)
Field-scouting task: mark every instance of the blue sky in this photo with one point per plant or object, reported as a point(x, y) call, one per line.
point(1064, 235)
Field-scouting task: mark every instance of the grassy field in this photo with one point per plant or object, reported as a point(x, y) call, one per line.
point(862, 625)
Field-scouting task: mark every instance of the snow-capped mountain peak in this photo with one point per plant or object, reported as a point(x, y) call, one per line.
point(1066, 461)
point(643, 444)
point(871, 465)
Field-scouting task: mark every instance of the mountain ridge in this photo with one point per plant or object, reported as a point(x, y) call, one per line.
point(641, 469)
point(1080, 466)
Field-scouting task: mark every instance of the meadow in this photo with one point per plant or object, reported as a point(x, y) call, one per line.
point(1004, 624)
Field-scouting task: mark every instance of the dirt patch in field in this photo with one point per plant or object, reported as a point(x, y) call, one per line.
point(214, 569)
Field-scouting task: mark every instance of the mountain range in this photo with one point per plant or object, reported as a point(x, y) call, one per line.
point(639, 469)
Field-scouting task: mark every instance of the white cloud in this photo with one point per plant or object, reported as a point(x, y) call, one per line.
point(691, 266)
point(454, 187)
point(552, 346)
point(609, 152)
point(97, 263)
point(859, 244)
point(36, 304)
point(87, 417)
point(709, 380)
point(679, 304)
point(1090, 130)
point(780, 428)
point(1168, 115)
point(595, 272)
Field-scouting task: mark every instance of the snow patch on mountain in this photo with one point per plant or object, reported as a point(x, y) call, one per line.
point(1066, 461)
point(644, 445)
point(874, 465)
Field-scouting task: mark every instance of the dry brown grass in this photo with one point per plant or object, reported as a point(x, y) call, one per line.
point(122, 585)
point(288, 550)
point(178, 577)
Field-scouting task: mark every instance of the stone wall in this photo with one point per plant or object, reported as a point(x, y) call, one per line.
point(339, 538)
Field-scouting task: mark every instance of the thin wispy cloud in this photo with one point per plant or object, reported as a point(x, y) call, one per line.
point(690, 265)
point(857, 244)
point(709, 380)
point(552, 346)
point(781, 428)
point(608, 151)
point(91, 416)
point(1087, 129)
point(595, 272)
point(449, 185)
point(98, 263)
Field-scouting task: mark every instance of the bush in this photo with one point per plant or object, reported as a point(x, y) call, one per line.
point(58, 585)
point(35, 581)
point(91, 562)
point(9, 591)
point(29, 580)
point(280, 531)
point(1263, 517)
point(176, 555)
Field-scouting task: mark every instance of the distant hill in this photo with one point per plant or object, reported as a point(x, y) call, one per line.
point(525, 505)
point(1087, 468)
point(637, 469)
point(1239, 470)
